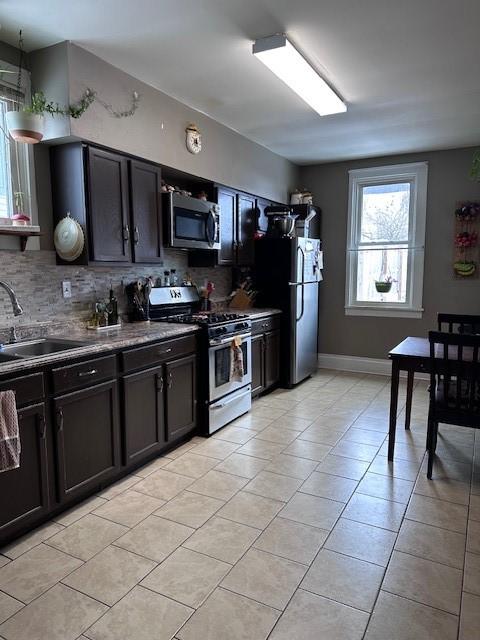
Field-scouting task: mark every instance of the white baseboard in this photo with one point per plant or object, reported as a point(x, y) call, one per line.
point(375, 366)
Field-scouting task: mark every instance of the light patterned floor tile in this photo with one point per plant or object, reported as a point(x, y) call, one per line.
point(438, 513)
point(154, 538)
point(31, 540)
point(87, 536)
point(59, 614)
point(311, 617)
point(344, 579)
point(291, 466)
point(470, 617)
point(329, 486)
point(396, 618)
point(308, 450)
point(191, 465)
point(254, 511)
point(143, 615)
point(234, 434)
point(163, 485)
point(35, 572)
point(8, 606)
point(261, 449)
point(432, 543)
point(265, 578)
point(386, 487)
point(190, 509)
point(273, 485)
point(187, 577)
point(218, 449)
point(241, 465)
point(222, 539)
point(291, 540)
point(110, 575)
point(361, 541)
point(129, 508)
point(473, 536)
point(471, 576)
point(215, 484)
point(375, 511)
point(424, 581)
point(226, 615)
point(343, 467)
point(276, 434)
point(307, 509)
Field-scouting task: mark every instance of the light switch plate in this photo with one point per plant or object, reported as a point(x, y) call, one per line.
point(67, 289)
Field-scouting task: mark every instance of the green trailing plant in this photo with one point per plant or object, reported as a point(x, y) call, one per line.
point(475, 169)
point(40, 105)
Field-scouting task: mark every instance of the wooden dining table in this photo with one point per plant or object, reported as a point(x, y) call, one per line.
point(413, 356)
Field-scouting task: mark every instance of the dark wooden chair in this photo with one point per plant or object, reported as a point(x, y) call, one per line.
point(458, 323)
point(454, 385)
point(451, 323)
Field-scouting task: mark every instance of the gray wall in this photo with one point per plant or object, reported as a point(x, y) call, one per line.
point(448, 182)
point(227, 157)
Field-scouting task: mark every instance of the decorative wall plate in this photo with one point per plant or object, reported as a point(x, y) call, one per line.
point(68, 238)
point(194, 139)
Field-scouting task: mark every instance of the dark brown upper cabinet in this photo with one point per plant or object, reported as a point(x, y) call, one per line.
point(116, 199)
point(108, 206)
point(146, 202)
point(246, 227)
point(227, 199)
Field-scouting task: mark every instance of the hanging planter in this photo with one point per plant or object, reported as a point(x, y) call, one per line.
point(383, 286)
point(25, 127)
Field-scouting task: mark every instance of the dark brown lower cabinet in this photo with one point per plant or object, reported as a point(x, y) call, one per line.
point(265, 361)
point(272, 358)
point(144, 416)
point(87, 439)
point(258, 369)
point(24, 491)
point(181, 396)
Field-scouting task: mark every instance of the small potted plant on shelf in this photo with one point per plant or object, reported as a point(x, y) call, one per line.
point(384, 285)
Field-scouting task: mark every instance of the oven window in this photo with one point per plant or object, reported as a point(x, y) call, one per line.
point(222, 364)
point(189, 225)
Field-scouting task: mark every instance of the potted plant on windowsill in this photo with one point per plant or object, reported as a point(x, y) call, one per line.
point(384, 286)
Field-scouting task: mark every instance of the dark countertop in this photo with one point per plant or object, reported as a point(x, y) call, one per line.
point(97, 342)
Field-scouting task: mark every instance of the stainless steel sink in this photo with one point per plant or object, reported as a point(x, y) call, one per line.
point(35, 348)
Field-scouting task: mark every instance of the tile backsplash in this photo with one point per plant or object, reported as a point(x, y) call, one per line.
point(37, 281)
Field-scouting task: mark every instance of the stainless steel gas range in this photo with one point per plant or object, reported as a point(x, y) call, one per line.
point(223, 396)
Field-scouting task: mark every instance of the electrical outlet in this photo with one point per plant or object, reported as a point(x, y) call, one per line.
point(67, 289)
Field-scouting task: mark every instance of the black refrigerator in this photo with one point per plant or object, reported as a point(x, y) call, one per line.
point(287, 276)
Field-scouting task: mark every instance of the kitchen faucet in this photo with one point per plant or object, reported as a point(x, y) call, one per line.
point(16, 306)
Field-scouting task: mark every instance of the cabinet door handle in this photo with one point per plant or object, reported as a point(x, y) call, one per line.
point(42, 427)
point(163, 352)
point(126, 233)
point(136, 235)
point(169, 380)
point(159, 383)
point(59, 420)
point(91, 372)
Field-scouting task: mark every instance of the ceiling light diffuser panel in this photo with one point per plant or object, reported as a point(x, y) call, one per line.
point(281, 57)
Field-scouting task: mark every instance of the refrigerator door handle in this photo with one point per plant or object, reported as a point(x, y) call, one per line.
point(302, 253)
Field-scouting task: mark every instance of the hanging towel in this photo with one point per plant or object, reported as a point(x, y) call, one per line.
point(9, 433)
point(236, 361)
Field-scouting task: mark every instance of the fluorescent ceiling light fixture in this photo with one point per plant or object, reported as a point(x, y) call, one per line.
point(281, 57)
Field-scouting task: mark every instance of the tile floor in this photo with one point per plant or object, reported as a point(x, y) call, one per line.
point(289, 523)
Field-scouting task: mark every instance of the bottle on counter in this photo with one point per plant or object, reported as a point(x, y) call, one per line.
point(173, 278)
point(112, 307)
point(166, 278)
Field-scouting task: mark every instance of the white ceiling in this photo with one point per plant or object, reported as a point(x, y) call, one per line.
point(408, 69)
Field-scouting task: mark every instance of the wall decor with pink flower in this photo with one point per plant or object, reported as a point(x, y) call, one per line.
point(467, 228)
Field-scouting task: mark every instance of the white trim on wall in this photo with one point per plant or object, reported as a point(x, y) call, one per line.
point(355, 364)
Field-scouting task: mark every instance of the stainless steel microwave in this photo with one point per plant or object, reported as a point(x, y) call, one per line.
point(191, 223)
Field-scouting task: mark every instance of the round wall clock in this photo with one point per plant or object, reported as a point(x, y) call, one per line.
point(194, 139)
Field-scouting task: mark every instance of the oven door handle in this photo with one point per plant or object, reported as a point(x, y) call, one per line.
point(216, 343)
point(220, 405)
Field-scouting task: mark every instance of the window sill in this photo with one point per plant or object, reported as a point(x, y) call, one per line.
point(384, 312)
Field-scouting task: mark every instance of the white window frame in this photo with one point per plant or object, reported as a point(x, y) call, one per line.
point(27, 167)
point(416, 173)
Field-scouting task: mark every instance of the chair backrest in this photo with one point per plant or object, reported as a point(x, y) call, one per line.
point(458, 323)
point(455, 364)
